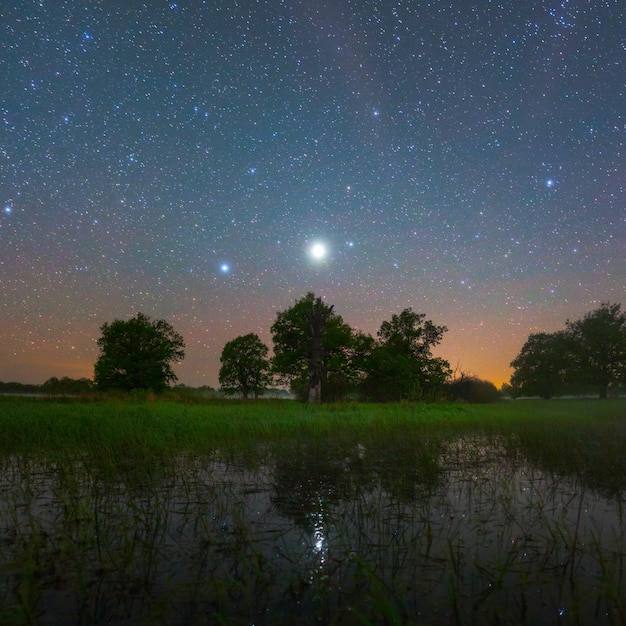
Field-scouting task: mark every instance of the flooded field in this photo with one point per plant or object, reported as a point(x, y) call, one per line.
point(456, 529)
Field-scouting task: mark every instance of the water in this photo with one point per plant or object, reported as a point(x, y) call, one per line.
point(465, 530)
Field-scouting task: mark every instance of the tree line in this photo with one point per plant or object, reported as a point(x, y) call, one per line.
point(320, 357)
point(52, 386)
point(314, 350)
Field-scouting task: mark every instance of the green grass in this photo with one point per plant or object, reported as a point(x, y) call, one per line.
point(162, 425)
point(40, 424)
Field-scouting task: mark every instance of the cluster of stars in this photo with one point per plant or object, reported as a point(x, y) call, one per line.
point(180, 160)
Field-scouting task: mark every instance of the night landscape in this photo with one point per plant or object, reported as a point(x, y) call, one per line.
point(311, 312)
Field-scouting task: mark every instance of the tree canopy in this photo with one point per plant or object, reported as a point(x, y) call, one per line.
point(315, 348)
point(137, 354)
point(598, 343)
point(244, 366)
point(588, 356)
point(542, 367)
point(401, 365)
point(311, 342)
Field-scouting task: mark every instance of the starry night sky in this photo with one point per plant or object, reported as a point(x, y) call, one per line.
point(181, 159)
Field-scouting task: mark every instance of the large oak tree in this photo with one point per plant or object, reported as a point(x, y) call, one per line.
point(543, 366)
point(244, 366)
point(589, 356)
point(137, 354)
point(599, 349)
point(311, 342)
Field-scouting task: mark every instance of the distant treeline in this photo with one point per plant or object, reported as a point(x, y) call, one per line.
point(19, 388)
point(78, 386)
point(463, 388)
point(52, 386)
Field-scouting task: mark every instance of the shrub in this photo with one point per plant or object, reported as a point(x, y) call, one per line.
point(473, 390)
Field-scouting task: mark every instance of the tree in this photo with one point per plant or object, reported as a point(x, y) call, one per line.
point(401, 365)
point(345, 381)
point(245, 367)
point(542, 368)
point(589, 356)
point(137, 354)
point(310, 342)
point(599, 341)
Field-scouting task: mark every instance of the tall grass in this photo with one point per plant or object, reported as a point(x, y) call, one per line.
point(162, 425)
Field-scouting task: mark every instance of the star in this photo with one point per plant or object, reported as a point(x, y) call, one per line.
point(318, 251)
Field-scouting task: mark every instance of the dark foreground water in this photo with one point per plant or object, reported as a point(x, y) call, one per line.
point(461, 530)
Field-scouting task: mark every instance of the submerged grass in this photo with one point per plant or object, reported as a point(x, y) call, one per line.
point(583, 437)
point(572, 437)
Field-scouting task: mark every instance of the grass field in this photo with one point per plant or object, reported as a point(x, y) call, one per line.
point(99, 425)
point(161, 511)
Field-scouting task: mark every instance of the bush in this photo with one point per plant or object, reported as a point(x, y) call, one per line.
point(473, 390)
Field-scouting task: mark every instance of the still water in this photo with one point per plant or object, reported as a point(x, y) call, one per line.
point(457, 530)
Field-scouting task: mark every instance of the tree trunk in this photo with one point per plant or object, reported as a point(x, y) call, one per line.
point(315, 393)
point(317, 319)
point(315, 366)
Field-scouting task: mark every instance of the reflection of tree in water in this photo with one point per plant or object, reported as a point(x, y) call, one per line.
point(590, 453)
point(310, 476)
point(383, 533)
point(311, 479)
point(346, 494)
point(407, 466)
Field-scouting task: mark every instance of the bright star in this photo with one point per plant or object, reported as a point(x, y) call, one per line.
point(8, 209)
point(318, 251)
point(224, 268)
